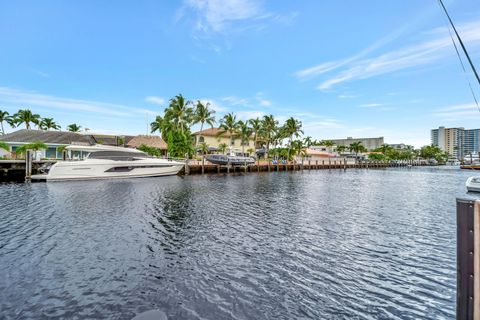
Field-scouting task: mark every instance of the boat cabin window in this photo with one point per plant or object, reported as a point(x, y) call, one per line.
point(117, 155)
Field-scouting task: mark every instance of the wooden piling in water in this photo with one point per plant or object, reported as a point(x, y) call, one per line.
point(28, 164)
point(187, 169)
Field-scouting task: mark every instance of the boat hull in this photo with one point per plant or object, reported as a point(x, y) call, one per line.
point(108, 169)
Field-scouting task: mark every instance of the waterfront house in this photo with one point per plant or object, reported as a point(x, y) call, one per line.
point(212, 138)
point(53, 139)
point(149, 141)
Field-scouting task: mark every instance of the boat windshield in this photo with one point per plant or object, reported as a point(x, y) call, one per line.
point(117, 155)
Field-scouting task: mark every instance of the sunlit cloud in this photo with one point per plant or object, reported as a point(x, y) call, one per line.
point(155, 100)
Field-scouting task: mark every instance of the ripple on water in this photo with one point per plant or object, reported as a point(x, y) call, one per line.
point(325, 244)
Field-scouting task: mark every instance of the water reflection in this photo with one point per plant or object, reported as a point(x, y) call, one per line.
point(355, 244)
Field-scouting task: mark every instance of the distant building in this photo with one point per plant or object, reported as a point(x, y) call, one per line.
point(212, 138)
point(369, 143)
point(400, 146)
point(457, 142)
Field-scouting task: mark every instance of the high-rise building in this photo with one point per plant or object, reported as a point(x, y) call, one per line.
point(369, 143)
point(457, 142)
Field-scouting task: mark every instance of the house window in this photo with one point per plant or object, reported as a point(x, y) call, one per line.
point(51, 153)
point(232, 142)
point(201, 139)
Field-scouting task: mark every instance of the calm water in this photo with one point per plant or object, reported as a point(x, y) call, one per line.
point(360, 244)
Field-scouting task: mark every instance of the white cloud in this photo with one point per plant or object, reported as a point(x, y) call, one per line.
point(216, 15)
point(213, 104)
point(428, 52)
point(371, 105)
point(235, 101)
point(246, 115)
point(155, 100)
point(28, 99)
point(458, 112)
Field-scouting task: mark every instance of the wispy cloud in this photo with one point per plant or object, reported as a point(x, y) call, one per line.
point(218, 15)
point(432, 50)
point(155, 100)
point(371, 105)
point(235, 101)
point(458, 112)
point(29, 99)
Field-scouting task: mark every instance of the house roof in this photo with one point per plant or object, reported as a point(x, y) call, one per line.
point(53, 137)
point(211, 132)
point(214, 132)
point(151, 141)
point(318, 153)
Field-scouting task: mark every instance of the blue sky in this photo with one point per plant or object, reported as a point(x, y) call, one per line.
point(345, 68)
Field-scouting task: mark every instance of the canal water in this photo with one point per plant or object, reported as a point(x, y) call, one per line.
point(360, 244)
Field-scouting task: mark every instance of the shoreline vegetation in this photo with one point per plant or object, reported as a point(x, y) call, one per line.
point(279, 141)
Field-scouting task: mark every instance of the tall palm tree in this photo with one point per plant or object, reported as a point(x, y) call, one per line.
point(180, 113)
point(48, 123)
point(203, 115)
point(5, 117)
point(229, 124)
point(256, 127)
point(269, 127)
point(74, 127)
point(26, 116)
point(292, 127)
point(308, 142)
point(341, 148)
point(356, 147)
point(161, 125)
point(222, 147)
point(384, 148)
point(244, 133)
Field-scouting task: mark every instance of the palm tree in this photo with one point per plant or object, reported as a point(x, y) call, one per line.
point(244, 133)
point(222, 147)
point(292, 128)
point(48, 123)
point(203, 115)
point(180, 113)
point(355, 147)
point(4, 146)
point(35, 146)
point(384, 148)
point(229, 124)
point(5, 117)
point(269, 128)
point(308, 142)
point(161, 125)
point(26, 116)
point(341, 148)
point(74, 127)
point(256, 127)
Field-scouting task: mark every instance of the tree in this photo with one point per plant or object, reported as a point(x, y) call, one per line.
point(328, 143)
point(4, 146)
point(37, 145)
point(251, 151)
point(150, 150)
point(256, 127)
point(161, 125)
point(48, 123)
point(180, 113)
point(203, 115)
point(341, 148)
point(74, 127)
point(384, 149)
point(26, 117)
point(5, 117)
point(222, 147)
point(298, 148)
point(244, 132)
point(203, 148)
point(355, 147)
point(229, 124)
point(308, 142)
point(269, 128)
point(292, 128)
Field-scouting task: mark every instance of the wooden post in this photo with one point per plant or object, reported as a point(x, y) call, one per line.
point(329, 163)
point(218, 168)
point(309, 165)
point(187, 168)
point(344, 163)
point(468, 259)
point(203, 164)
point(28, 164)
point(316, 164)
point(228, 167)
point(323, 164)
point(64, 155)
point(245, 164)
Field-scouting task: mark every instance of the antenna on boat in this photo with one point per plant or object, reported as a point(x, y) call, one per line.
point(464, 51)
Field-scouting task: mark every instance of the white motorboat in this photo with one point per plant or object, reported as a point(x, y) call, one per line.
point(105, 162)
point(473, 184)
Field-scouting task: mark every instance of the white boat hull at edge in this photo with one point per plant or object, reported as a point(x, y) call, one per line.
point(93, 169)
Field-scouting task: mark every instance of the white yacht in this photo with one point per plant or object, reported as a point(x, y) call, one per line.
point(105, 162)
